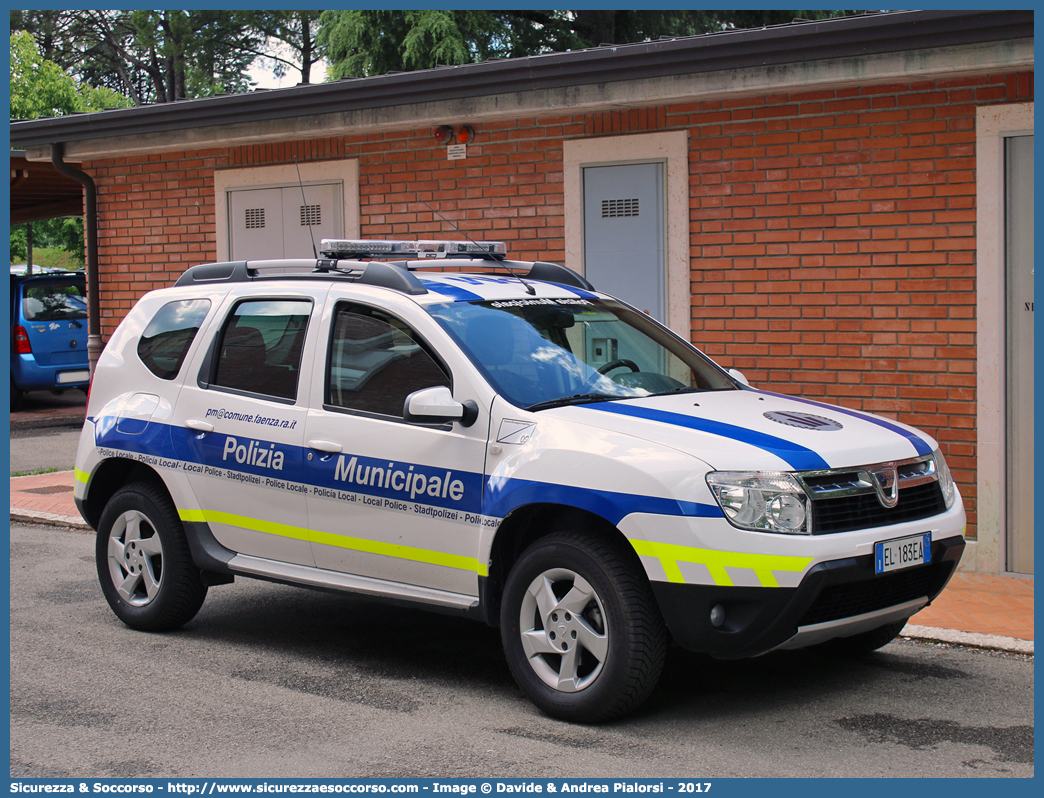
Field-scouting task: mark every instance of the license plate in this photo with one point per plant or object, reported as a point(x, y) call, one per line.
point(73, 376)
point(892, 555)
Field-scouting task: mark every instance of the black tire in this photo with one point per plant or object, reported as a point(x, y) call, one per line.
point(17, 396)
point(141, 547)
point(597, 606)
point(867, 642)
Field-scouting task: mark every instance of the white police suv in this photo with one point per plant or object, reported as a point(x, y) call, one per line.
point(496, 439)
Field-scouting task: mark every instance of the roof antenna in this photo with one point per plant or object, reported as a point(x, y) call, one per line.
point(529, 288)
point(305, 211)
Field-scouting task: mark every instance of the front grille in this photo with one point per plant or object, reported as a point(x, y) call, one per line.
point(863, 510)
point(887, 590)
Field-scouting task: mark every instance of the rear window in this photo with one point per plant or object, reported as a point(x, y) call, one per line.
point(261, 344)
point(54, 300)
point(166, 341)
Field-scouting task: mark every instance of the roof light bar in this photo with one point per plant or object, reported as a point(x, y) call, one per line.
point(359, 248)
point(334, 247)
point(492, 248)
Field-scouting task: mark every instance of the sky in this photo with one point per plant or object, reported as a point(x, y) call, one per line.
point(262, 74)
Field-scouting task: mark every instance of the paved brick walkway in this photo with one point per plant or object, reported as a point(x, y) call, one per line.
point(975, 603)
point(982, 604)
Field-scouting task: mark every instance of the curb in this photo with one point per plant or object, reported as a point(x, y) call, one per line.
point(1012, 645)
point(50, 519)
point(55, 420)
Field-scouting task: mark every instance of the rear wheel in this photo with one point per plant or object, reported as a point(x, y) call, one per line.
point(143, 560)
point(16, 396)
point(581, 630)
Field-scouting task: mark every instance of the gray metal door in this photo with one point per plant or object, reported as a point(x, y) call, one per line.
point(274, 222)
point(1018, 213)
point(624, 234)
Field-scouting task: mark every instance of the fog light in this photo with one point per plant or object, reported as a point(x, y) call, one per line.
point(717, 615)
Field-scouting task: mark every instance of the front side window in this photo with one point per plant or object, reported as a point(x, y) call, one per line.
point(376, 361)
point(546, 352)
point(166, 341)
point(261, 344)
point(54, 300)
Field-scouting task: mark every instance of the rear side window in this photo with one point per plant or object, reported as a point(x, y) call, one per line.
point(261, 346)
point(54, 300)
point(166, 341)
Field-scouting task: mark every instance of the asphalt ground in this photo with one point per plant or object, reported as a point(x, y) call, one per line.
point(270, 680)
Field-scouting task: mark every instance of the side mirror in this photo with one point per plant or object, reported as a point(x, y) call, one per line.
point(738, 375)
point(437, 406)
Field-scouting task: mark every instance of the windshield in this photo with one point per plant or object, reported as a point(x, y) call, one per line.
point(547, 352)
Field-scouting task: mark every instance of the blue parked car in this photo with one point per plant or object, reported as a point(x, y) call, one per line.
point(48, 334)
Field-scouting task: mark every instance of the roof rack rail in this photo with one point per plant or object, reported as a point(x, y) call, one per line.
point(377, 273)
point(539, 270)
point(397, 275)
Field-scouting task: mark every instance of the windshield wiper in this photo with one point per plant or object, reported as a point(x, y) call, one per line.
point(576, 399)
point(678, 390)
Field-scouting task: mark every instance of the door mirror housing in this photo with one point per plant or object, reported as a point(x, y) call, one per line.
point(738, 375)
point(437, 406)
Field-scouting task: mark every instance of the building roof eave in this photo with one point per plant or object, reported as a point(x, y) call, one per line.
point(867, 36)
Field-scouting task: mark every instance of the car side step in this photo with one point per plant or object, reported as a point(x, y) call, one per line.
point(334, 580)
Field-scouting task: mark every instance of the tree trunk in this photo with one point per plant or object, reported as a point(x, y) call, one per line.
point(156, 74)
point(306, 49)
point(28, 248)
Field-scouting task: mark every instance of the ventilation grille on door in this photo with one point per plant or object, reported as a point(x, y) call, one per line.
point(255, 218)
point(310, 215)
point(619, 207)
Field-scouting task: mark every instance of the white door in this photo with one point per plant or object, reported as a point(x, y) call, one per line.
point(241, 423)
point(390, 500)
point(266, 223)
point(624, 234)
point(1018, 237)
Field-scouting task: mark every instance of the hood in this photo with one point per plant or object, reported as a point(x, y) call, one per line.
point(752, 430)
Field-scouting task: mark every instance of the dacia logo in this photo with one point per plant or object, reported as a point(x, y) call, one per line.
point(885, 479)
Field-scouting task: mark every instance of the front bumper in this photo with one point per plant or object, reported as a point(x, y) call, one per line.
point(835, 598)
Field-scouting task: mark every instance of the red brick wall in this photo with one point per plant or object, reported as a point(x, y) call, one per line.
point(832, 232)
point(833, 243)
point(156, 219)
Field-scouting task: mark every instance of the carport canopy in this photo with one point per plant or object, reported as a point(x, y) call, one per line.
point(39, 191)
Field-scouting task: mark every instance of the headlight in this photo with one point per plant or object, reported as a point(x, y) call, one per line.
point(763, 501)
point(949, 490)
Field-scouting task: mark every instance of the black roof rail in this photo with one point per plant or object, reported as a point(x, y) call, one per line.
point(556, 273)
point(539, 270)
point(376, 273)
point(396, 275)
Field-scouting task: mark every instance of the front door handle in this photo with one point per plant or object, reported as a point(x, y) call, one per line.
point(200, 426)
point(325, 446)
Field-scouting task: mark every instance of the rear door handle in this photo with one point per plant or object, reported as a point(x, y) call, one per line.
point(325, 446)
point(200, 426)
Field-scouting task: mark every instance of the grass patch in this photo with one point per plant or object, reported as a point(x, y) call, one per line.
point(36, 471)
point(53, 258)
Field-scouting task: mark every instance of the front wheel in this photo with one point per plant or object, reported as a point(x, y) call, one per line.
point(144, 565)
point(581, 630)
